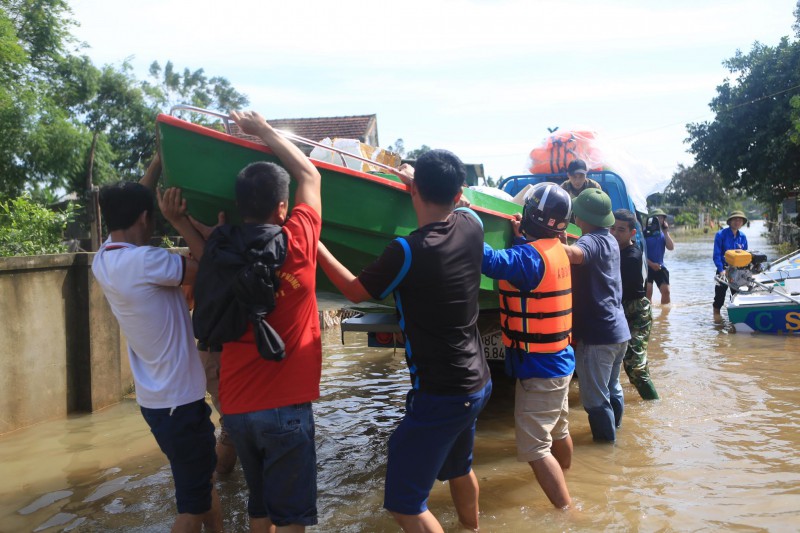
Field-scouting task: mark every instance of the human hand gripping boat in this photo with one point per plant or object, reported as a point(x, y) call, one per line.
point(362, 212)
point(768, 301)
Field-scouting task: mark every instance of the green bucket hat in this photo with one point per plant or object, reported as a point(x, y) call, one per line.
point(657, 213)
point(735, 214)
point(594, 206)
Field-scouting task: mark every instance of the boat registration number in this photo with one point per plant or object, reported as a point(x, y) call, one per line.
point(493, 347)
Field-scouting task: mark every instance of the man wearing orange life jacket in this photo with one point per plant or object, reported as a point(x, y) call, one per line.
point(536, 322)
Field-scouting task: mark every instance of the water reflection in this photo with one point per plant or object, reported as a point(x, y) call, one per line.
point(718, 452)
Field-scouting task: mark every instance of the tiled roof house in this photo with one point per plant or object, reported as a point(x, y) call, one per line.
point(361, 127)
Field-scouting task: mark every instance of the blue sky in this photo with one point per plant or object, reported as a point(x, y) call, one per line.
point(484, 79)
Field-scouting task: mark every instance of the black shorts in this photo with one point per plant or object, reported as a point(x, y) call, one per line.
point(186, 436)
point(658, 276)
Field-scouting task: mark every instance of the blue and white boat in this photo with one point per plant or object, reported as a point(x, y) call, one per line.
point(770, 301)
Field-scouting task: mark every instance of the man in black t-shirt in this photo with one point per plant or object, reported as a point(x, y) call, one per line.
point(635, 304)
point(434, 274)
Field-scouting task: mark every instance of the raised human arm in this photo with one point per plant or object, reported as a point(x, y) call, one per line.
point(574, 253)
point(521, 265)
point(173, 207)
point(668, 243)
point(190, 274)
point(340, 276)
point(204, 230)
point(153, 172)
point(406, 174)
point(296, 163)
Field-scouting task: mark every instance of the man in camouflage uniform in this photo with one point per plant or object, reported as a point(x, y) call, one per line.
point(635, 304)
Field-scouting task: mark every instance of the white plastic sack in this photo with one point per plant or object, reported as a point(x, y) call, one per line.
point(493, 191)
point(355, 147)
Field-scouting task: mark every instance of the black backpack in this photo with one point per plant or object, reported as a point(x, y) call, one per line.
point(236, 285)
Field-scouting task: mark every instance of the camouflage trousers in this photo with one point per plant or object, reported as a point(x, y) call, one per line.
point(640, 318)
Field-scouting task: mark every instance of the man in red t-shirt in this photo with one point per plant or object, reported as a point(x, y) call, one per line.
point(267, 403)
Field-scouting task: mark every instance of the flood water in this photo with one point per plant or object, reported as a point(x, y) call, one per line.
point(718, 452)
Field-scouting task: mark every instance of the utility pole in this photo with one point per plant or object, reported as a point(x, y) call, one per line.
point(92, 206)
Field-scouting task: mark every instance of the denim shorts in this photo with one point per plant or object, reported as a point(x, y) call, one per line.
point(186, 436)
point(433, 441)
point(279, 459)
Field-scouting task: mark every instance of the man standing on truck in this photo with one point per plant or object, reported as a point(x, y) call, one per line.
point(434, 274)
point(536, 322)
point(578, 182)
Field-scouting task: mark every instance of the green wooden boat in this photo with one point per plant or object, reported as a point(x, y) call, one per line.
point(361, 212)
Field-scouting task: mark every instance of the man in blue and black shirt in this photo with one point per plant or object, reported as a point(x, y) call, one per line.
point(434, 274)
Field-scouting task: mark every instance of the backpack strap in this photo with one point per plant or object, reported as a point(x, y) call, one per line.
point(403, 269)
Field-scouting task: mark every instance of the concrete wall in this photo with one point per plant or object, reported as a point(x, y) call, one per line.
point(61, 350)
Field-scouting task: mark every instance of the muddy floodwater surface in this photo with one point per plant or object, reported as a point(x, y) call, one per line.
point(718, 452)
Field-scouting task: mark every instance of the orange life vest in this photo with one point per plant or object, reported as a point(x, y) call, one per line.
point(540, 320)
point(556, 152)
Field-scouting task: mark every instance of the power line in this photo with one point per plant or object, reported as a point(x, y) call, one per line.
point(750, 102)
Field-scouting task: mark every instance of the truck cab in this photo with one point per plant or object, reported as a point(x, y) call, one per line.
point(382, 329)
point(613, 185)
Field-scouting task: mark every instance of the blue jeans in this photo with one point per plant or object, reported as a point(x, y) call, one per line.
point(279, 459)
point(598, 367)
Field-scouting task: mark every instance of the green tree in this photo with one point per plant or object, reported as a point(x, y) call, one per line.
point(399, 148)
point(749, 143)
point(27, 54)
point(30, 229)
point(414, 154)
point(62, 117)
point(34, 37)
point(695, 184)
point(192, 88)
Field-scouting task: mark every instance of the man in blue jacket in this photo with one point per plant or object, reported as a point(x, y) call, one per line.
point(729, 238)
point(536, 321)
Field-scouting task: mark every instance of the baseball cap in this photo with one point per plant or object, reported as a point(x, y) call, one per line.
point(577, 166)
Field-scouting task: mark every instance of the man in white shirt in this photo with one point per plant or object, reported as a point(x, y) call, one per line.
point(142, 285)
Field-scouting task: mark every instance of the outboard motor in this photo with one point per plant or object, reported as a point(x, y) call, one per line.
point(742, 265)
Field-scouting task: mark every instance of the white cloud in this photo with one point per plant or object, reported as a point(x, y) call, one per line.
point(485, 78)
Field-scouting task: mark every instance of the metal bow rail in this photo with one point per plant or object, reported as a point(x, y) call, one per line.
point(227, 120)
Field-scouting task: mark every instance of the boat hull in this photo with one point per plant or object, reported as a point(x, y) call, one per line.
point(777, 317)
point(362, 212)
